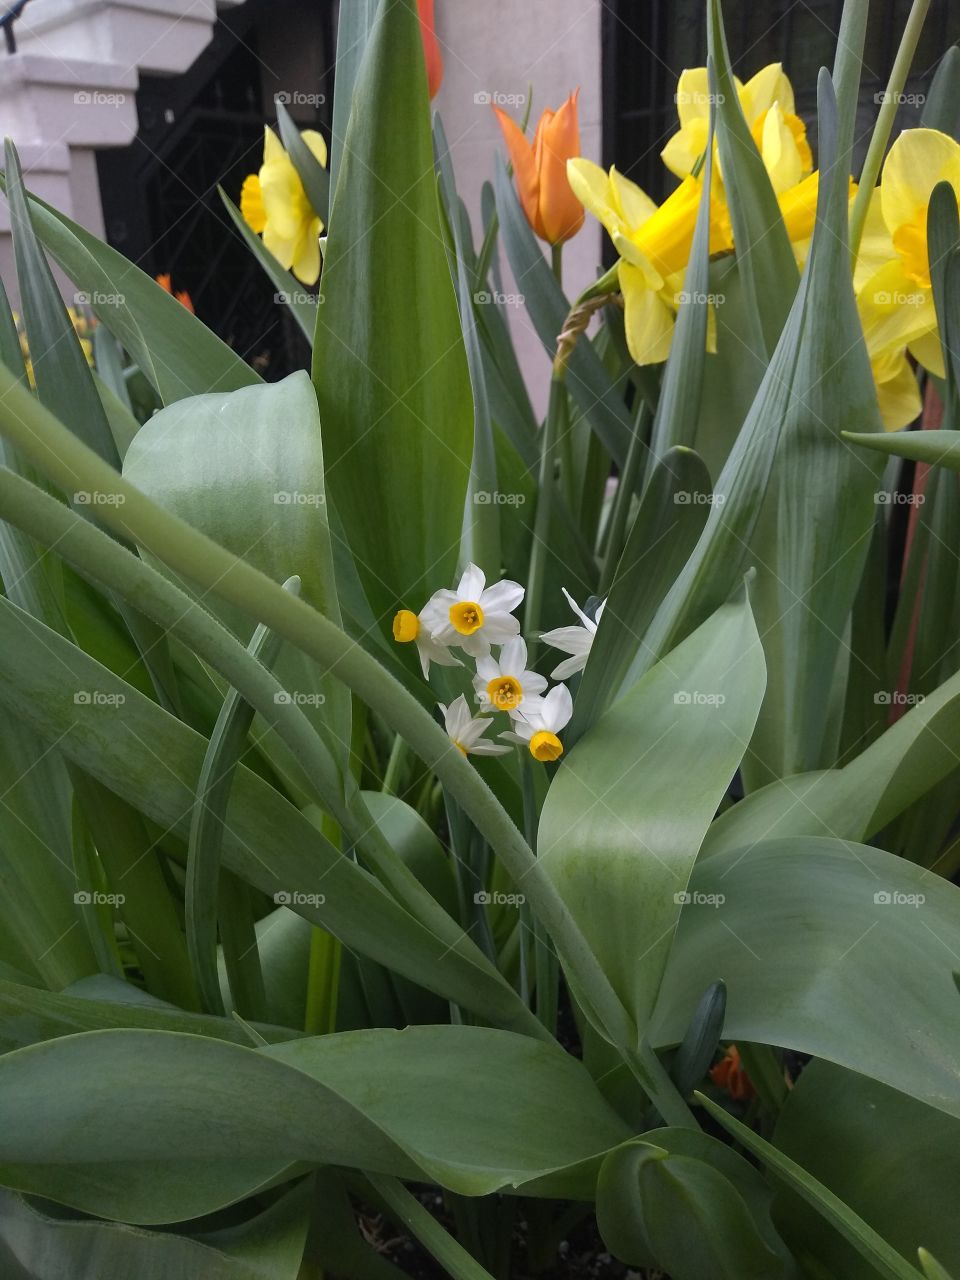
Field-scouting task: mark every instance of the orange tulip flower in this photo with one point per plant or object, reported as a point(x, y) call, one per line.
point(729, 1074)
point(181, 295)
point(431, 48)
point(547, 199)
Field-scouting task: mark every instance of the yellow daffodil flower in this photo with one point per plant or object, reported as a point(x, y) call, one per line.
point(275, 205)
point(654, 246)
point(892, 277)
point(768, 105)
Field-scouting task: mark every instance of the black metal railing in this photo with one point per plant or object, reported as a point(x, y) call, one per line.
point(7, 19)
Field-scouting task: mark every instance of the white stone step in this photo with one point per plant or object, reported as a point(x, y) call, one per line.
point(53, 100)
point(158, 36)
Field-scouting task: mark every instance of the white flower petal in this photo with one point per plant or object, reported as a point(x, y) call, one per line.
point(557, 708)
point(499, 628)
point(471, 584)
point(489, 749)
point(569, 639)
point(502, 597)
point(569, 666)
point(591, 626)
point(513, 656)
point(477, 645)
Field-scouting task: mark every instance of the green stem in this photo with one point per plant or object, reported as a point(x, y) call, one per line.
point(394, 769)
point(70, 464)
point(555, 423)
point(885, 117)
point(406, 1208)
point(655, 1081)
point(623, 498)
point(556, 262)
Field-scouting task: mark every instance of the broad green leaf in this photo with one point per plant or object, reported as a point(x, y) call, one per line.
point(268, 842)
point(621, 825)
point(177, 352)
point(850, 942)
point(764, 255)
point(681, 1213)
point(671, 516)
point(886, 1262)
point(45, 1244)
point(588, 382)
point(857, 801)
point(302, 304)
point(198, 1123)
point(247, 469)
point(389, 362)
point(894, 1161)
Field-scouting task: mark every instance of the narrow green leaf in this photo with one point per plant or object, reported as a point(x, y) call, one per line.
point(177, 352)
point(764, 255)
point(672, 513)
point(597, 395)
point(829, 1125)
point(227, 744)
point(315, 178)
point(873, 1247)
point(289, 289)
point(407, 1210)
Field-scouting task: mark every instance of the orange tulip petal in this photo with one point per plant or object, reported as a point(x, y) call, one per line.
point(431, 47)
point(561, 213)
point(522, 157)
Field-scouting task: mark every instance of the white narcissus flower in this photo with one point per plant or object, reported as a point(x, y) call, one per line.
point(474, 616)
point(408, 626)
point(504, 683)
point(577, 641)
point(538, 727)
point(466, 731)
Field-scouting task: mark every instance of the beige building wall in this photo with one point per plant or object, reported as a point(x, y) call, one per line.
point(502, 46)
